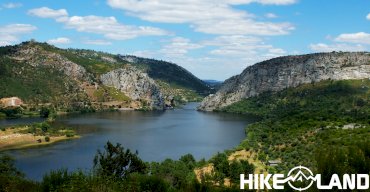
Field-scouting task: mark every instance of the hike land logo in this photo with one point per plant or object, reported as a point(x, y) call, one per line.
point(301, 178)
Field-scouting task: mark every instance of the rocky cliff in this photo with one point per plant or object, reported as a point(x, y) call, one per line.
point(290, 71)
point(135, 84)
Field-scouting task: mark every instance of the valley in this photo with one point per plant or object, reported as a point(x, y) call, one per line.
point(275, 115)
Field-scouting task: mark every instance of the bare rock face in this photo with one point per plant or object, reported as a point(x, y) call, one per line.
point(135, 84)
point(35, 55)
point(290, 71)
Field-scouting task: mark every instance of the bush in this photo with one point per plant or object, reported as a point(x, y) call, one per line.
point(12, 112)
point(45, 127)
point(44, 112)
point(47, 139)
point(62, 180)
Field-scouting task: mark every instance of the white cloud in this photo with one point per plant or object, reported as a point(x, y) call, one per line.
point(97, 42)
point(271, 15)
point(321, 47)
point(241, 46)
point(109, 27)
point(12, 5)
point(45, 12)
point(368, 16)
point(207, 16)
point(231, 54)
point(361, 38)
point(10, 34)
point(178, 47)
point(264, 2)
point(59, 40)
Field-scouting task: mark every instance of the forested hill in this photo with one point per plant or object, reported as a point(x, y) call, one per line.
point(324, 126)
point(42, 73)
point(168, 72)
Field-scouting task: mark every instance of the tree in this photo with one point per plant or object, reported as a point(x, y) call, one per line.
point(7, 167)
point(189, 160)
point(45, 126)
point(117, 163)
point(44, 112)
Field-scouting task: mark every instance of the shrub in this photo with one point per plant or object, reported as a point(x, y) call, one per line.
point(47, 139)
point(44, 112)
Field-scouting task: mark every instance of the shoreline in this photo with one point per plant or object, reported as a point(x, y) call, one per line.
point(11, 139)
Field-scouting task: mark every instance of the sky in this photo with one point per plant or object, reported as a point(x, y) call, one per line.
point(213, 39)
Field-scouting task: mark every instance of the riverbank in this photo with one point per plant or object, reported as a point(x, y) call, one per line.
point(15, 138)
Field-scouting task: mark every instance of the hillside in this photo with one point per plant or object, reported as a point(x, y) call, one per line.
point(324, 126)
point(168, 73)
point(289, 71)
point(72, 78)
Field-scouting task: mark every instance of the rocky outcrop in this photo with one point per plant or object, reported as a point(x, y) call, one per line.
point(290, 71)
point(33, 54)
point(135, 84)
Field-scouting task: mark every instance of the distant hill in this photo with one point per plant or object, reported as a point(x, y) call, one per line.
point(214, 84)
point(42, 73)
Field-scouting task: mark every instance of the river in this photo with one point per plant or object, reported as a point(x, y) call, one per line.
point(156, 135)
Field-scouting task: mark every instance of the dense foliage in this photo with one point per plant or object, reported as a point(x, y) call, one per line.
point(115, 169)
point(325, 118)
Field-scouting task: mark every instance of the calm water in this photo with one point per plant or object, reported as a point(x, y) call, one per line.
point(155, 135)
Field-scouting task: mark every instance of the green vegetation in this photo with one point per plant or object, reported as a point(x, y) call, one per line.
point(180, 94)
point(325, 118)
point(29, 83)
point(115, 169)
point(25, 77)
point(170, 73)
point(105, 93)
point(46, 128)
point(224, 169)
point(92, 61)
point(13, 180)
point(11, 112)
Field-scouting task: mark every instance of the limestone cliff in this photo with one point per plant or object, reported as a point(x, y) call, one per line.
point(135, 84)
point(289, 71)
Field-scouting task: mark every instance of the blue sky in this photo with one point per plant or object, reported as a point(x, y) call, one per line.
point(214, 39)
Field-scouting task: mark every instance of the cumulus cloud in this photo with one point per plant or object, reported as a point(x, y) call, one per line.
point(45, 12)
point(368, 16)
point(178, 47)
point(59, 40)
point(12, 5)
point(207, 16)
point(242, 46)
point(109, 27)
point(223, 56)
point(10, 34)
point(361, 38)
point(322, 47)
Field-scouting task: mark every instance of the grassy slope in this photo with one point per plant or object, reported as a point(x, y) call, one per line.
point(297, 123)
